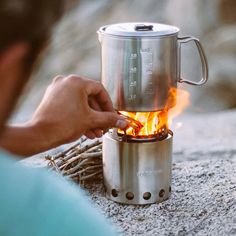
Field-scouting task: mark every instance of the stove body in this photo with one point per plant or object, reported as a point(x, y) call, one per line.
point(137, 172)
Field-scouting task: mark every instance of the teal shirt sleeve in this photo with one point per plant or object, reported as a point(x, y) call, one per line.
point(39, 203)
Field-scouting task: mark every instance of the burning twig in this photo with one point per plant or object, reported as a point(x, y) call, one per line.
point(132, 122)
point(135, 124)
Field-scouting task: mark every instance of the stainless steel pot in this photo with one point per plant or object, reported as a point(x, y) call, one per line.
point(141, 63)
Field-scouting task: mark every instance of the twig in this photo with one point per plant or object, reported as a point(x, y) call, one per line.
point(89, 176)
point(78, 162)
point(84, 170)
point(54, 165)
point(82, 156)
point(78, 151)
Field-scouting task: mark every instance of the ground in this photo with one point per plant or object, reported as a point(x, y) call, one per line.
point(203, 202)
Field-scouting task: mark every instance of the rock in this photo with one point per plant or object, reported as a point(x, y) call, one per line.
point(220, 90)
point(200, 204)
point(204, 136)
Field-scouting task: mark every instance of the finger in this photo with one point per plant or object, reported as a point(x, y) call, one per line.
point(94, 104)
point(98, 132)
point(97, 90)
point(90, 134)
point(57, 78)
point(106, 120)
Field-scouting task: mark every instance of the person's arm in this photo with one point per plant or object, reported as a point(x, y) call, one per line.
point(72, 106)
point(25, 140)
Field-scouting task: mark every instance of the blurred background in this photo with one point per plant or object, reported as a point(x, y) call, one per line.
point(74, 48)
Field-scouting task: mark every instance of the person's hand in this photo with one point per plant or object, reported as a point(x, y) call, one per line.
point(73, 106)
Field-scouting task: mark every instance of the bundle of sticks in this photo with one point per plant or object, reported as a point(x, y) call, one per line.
point(80, 162)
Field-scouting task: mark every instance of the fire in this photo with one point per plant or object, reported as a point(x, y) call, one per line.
point(183, 101)
point(146, 124)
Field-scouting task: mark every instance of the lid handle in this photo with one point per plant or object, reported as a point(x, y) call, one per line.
point(142, 27)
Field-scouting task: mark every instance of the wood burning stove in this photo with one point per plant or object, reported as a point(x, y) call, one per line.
point(140, 70)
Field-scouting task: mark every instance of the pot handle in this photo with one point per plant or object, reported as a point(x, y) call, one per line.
point(203, 61)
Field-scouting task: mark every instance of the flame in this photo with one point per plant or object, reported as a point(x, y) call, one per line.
point(183, 101)
point(150, 123)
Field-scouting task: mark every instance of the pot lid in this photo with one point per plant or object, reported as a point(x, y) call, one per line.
point(139, 29)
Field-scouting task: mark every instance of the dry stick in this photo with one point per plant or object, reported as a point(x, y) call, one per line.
point(51, 162)
point(75, 168)
point(82, 178)
point(79, 151)
point(54, 165)
point(91, 155)
point(89, 162)
point(75, 161)
point(63, 153)
point(94, 162)
point(48, 157)
point(95, 149)
point(84, 170)
point(88, 146)
point(82, 156)
point(89, 176)
point(67, 172)
point(82, 140)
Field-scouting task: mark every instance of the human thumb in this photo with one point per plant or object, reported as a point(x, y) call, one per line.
point(106, 120)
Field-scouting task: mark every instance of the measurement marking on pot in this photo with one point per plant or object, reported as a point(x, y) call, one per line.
point(133, 69)
point(132, 84)
point(133, 56)
point(132, 97)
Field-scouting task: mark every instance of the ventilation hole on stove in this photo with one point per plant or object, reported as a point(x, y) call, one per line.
point(161, 193)
point(169, 189)
point(114, 192)
point(146, 195)
point(129, 196)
